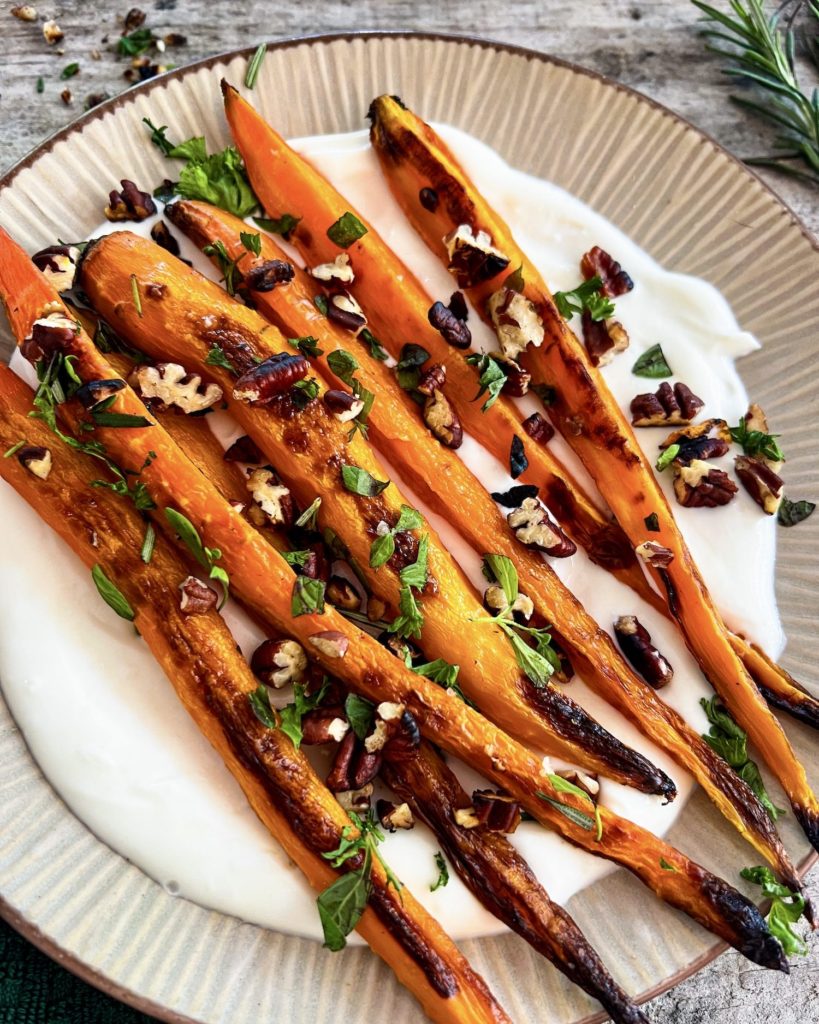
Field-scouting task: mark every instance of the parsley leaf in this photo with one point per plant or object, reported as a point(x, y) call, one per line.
point(284, 225)
point(227, 265)
point(652, 363)
point(382, 547)
point(252, 241)
point(359, 481)
point(786, 909)
point(308, 346)
point(111, 594)
point(341, 905)
point(410, 619)
point(260, 702)
point(755, 442)
point(135, 43)
point(492, 378)
point(291, 715)
point(443, 872)
point(502, 570)
point(205, 556)
point(586, 296)
point(415, 574)
point(307, 597)
point(216, 357)
point(377, 350)
point(346, 230)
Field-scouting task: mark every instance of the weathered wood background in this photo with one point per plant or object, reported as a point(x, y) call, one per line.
point(652, 45)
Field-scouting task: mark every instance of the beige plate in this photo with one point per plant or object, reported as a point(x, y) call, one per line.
point(682, 198)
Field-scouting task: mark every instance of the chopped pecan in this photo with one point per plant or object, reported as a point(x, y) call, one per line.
point(133, 19)
point(517, 379)
point(171, 384)
point(699, 448)
point(342, 405)
point(271, 496)
point(598, 263)
point(343, 310)
point(698, 430)
point(451, 327)
point(458, 307)
point(95, 391)
point(265, 276)
point(533, 526)
point(473, 258)
point(25, 12)
point(353, 767)
point(516, 321)
point(59, 264)
point(497, 812)
point(439, 414)
point(339, 270)
point(331, 643)
point(604, 339)
point(53, 332)
point(52, 33)
point(677, 405)
point(324, 725)
point(36, 459)
point(539, 428)
point(494, 600)
point(654, 554)
point(129, 204)
point(342, 594)
point(357, 800)
point(432, 380)
point(635, 643)
point(196, 598)
point(764, 485)
point(393, 816)
point(279, 663)
point(698, 485)
point(162, 236)
point(244, 449)
point(583, 780)
point(275, 376)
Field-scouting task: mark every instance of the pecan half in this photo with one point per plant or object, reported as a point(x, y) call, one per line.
point(473, 258)
point(353, 767)
point(539, 428)
point(598, 263)
point(698, 485)
point(343, 310)
point(497, 812)
point(197, 598)
point(276, 375)
point(764, 485)
point(667, 406)
point(604, 339)
point(342, 405)
point(265, 276)
point(654, 554)
point(516, 321)
point(324, 725)
point(533, 526)
point(129, 204)
point(635, 643)
point(451, 327)
point(36, 459)
point(279, 663)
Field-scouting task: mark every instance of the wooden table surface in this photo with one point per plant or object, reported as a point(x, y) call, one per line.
point(652, 45)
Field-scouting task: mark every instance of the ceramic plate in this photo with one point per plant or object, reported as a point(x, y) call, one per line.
point(682, 198)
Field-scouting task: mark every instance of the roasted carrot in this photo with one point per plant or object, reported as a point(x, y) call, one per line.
point(592, 423)
point(776, 685)
point(308, 448)
point(447, 486)
point(263, 581)
point(199, 656)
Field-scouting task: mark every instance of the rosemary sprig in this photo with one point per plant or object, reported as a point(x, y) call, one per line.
point(761, 51)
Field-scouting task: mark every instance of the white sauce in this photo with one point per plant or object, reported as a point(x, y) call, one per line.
point(106, 727)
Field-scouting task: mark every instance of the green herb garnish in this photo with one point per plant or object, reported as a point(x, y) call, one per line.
point(70, 70)
point(360, 714)
point(755, 442)
point(254, 65)
point(291, 715)
point(443, 873)
point(205, 556)
point(216, 357)
point(7, 454)
point(564, 786)
point(227, 265)
point(252, 241)
point(135, 43)
point(491, 380)
point(260, 702)
point(652, 522)
point(346, 230)
point(377, 350)
point(792, 512)
point(786, 909)
point(147, 550)
point(382, 547)
point(112, 596)
point(652, 363)
point(666, 866)
point(585, 297)
point(284, 225)
point(307, 520)
point(308, 346)
point(307, 597)
point(359, 481)
point(667, 457)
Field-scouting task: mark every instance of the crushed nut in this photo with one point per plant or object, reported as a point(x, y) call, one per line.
point(343, 310)
point(377, 739)
point(765, 486)
point(244, 449)
point(276, 375)
point(466, 817)
point(36, 460)
point(698, 485)
point(635, 643)
point(677, 405)
point(517, 379)
point(357, 800)
point(654, 554)
point(516, 321)
point(342, 594)
point(53, 332)
point(67, 96)
point(265, 276)
point(533, 526)
point(393, 816)
point(271, 495)
point(597, 263)
point(279, 663)
point(439, 414)
point(52, 33)
point(604, 339)
point(59, 264)
point(587, 782)
point(95, 391)
point(494, 600)
point(330, 643)
point(497, 812)
point(342, 405)
point(538, 428)
point(25, 12)
point(473, 258)
point(389, 711)
point(129, 204)
point(171, 384)
point(339, 270)
point(451, 327)
point(197, 598)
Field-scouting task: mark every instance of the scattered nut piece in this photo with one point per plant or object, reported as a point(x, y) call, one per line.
point(765, 486)
point(339, 270)
point(390, 711)
point(133, 19)
point(357, 800)
point(330, 643)
point(67, 96)
point(171, 384)
point(473, 258)
point(534, 527)
point(265, 276)
point(654, 554)
point(25, 12)
point(58, 263)
point(52, 33)
point(604, 339)
point(279, 663)
point(36, 459)
point(516, 321)
point(276, 375)
point(129, 204)
point(439, 414)
point(342, 405)
point(668, 406)
point(53, 332)
point(517, 379)
point(466, 817)
point(698, 430)
point(698, 485)
point(161, 234)
point(93, 392)
point(598, 263)
point(343, 310)
point(496, 811)
point(271, 495)
point(342, 594)
point(244, 449)
point(393, 816)
point(378, 737)
point(494, 600)
point(588, 783)
point(538, 428)
point(635, 643)
point(451, 327)
point(197, 598)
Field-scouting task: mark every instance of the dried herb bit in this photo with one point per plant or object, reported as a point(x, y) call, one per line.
point(382, 548)
point(786, 909)
point(492, 378)
point(346, 230)
point(755, 442)
point(308, 346)
point(667, 457)
point(360, 714)
point(377, 350)
point(254, 65)
point(666, 866)
point(793, 512)
point(515, 496)
point(307, 597)
point(518, 463)
point(260, 702)
point(359, 481)
point(284, 225)
point(307, 520)
point(40, 84)
point(291, 715)
point(652, 363)
point(585, 297)
point(216, 357)
point(136, 43)
point(136, 296)
point(158, 136)
point(206, 557)
point(147, 550)
point(112, 596)
point(730, 741)
point(652, 522)
point(70, 70)
point(568, 811)
point(443, 873)
point(7, 454)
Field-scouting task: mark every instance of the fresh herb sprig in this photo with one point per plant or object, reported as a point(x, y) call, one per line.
point(382, 548)
point(586, 297)
point(491, 378)
point(206, 557)
point(760, 51)
point(786, 909)
point(757, 442)
point(344, 364)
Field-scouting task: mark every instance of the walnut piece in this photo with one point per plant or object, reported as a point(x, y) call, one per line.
point(516, 321)
point(171, 384)
point(339, 270)
point(534, 527)
point(271, 495)
point(473, 258)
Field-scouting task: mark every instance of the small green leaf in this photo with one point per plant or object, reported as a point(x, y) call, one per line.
point(652, 363)
point(252, 241)
point(575, 817)
point(341, 905)
point(189, 536)
point(415, 574)
point(307, 520)
point(343, 365)
point(491, 380)
point(410, 619)
point(755, 442)
point(307, 597)
point(284, 225)
point(586, 296)
point(786, 909)
point(70, 70)
point(346, 230)
point(443, 873)
point(103, 418)
point(40, 84)
point(377, 350)
point(381, 550)
point(112, 596)
point(666, 866)
point(216, 357)
point(297, 559)
point(308, 346)
point(359, 481)
point(652, 522)
point(360, 714)
point(503, 571)
point(667, 457)
point(254, 66)
point(260, 702)
point(793, 512)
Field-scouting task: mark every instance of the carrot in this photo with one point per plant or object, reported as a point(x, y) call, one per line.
point(588, 417)
point(308, 449)
point(263, 581)
point(212, 680)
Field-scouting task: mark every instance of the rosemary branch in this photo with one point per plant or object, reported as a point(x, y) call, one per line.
point(761, 49)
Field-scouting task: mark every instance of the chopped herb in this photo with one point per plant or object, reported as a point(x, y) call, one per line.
point(377, 350)
point(147, 550)
point(786, 909)
point(382, 547)
point(518, 463)
point(252, 241)
point(343, 365)
point(346, 230)
point(307, 520)
point(56, 384)
point(442, 673)
point(415, 574)
point(304, 391)
point(410, 619)
point(135, 295)
point(360, 714)
point(320, 302)
point(135, 43)
point(216, 357)
point(158, 136)
point(755, 442)
point(254, 65)
point(308, 346)
point(730, 741)
point(793, 512)
point(652, 363)
point(7, 454)
point(103, 418)
point(40, 84)
point(666, 866)
point(586, 296)
point(491, 380)
point(227, 265)
point(652, 522)
point(219, 178)
point(408, 367)
point(443, 872)
point(500, 569)
point(667, 457)
point(297, 559)
point(564, 786)
point(206, 557)
point(307, 597)
point(260, 702)
point(291, 715)
point(70, 70)
point(515, 496)
point(284, 225)
point(112, 596)
point(575, 817)
point(359, 481)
